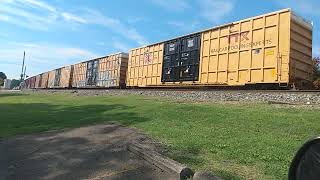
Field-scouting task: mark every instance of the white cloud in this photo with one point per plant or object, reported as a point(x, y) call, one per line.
point(95, 17)
point(18, 12)
point(215, 10)
point(40, 57)
point(39, 4)
point(73, 18)
point(172, 5)
point(4, 18)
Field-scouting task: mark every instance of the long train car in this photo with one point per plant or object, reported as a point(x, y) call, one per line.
point(104, 72)
point(32, 82)
point(64, 77)
point(271, 49)
point(61, 77)
point(44, 80)
point(51, 78)
point(27, 83)
point(37, 84)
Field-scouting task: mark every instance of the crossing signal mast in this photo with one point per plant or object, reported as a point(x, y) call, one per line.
point(23, 68)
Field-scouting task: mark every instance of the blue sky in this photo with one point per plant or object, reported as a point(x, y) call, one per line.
point(60, 32)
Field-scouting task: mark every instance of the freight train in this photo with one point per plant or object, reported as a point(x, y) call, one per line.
point(271, 50)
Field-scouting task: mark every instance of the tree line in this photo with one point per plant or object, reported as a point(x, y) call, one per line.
point(14, 82)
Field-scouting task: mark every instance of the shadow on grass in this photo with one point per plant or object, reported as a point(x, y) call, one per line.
point(11, 94)
point(38, 117)
point(59, 156)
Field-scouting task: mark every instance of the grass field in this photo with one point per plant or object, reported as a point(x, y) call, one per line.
point(252, 141)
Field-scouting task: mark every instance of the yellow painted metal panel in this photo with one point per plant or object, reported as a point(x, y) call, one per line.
point(65, 76)
point(223, 61)
point(51, 78)
point(271, 20)
point(213, 63)
point(112, 70)
point(38, 82)
point(258, 23)
point(233, 61)
point(147, 67)
point(44, 80)
point(257, 58)
point(79, 75)
point(248, 53)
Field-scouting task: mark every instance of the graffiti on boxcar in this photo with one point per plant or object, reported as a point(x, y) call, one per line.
point(147, 58)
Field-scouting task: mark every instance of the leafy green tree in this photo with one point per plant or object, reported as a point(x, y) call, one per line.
point(316, 68)
point(14, 83)
point(316, 72)
point(2, 77)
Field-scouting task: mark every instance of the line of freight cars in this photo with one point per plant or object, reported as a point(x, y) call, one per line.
point(105, 72)
point(271, 49)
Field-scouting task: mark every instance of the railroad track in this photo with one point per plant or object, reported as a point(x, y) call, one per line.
point(190, 90)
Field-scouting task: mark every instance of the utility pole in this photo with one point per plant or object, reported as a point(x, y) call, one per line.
point(24, 73)
point(24, 56)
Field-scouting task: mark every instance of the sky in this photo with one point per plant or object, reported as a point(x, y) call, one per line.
point(54, 33)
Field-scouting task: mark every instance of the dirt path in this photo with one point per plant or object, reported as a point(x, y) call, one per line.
point(95, 152)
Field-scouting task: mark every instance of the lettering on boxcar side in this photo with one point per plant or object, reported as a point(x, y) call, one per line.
point(242, 46)
point(244, 36)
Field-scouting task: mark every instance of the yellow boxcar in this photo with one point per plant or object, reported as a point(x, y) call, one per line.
point(108, 71)
point(274, 48)
point(65, 77)
point(51, 79)
point(79, 75)
point(37, 84)
point(112, 71)
point(44, 80)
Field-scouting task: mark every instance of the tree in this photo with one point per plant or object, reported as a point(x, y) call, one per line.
point(316, 68)
point(14, 83)
point(2, 77)
point(316, 72)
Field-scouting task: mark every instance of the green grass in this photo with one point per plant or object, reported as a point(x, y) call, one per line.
point(251, 141)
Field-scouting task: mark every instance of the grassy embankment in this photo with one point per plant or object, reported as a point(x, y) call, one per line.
point(253, 141)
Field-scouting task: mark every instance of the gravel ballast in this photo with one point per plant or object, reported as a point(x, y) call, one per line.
point(273, 97)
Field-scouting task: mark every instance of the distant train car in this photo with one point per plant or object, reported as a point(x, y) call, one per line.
point(26, 83)
point(51, 78)
point(104, 72)
point(44, 80)
point(65, 77)
point(37, 84)
point(32, 82)
point(271, 49)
